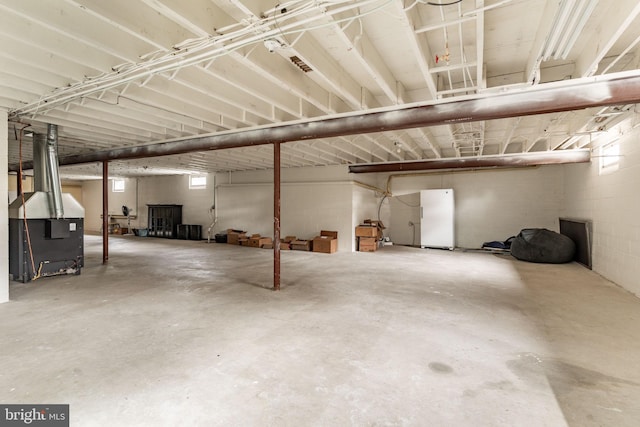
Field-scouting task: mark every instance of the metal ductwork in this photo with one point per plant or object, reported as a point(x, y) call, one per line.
point(42, 241)
point(53, 173)
point(40, 181)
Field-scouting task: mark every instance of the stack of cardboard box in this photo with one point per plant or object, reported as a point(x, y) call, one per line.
point(257, 241)
point(234, 236)
point(368, 235)
point(326, 242)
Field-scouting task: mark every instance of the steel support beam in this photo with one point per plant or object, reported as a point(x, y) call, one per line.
point(276, 216)
point(474, 162)
point(105, 212)
point(611, 89)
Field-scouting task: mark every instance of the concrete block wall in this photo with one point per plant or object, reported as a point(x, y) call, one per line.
point(365, 204)
point(612, 203)
point(489, 205)
point(312, 199)
point(92, 202)
point(404, 209)
point(175, 190)
point(306, 209)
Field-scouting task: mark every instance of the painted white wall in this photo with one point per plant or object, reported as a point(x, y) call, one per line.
point(92, 202)
point(125, 198)
point(490, 205)
point(611, 202)
point(150, 190)
point(175, 190)
point(404, 209)
point(306, 209)
point(4, 210)
point(247, 207)
point(312, 199)
point(365, 204)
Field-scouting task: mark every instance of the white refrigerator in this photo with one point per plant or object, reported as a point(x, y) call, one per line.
point(437, 219)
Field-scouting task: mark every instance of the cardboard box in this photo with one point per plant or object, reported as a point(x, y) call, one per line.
point(120, 230)
point(326, 242)
point(289, 239)
point(301, 245)
point(375, 223)
point(285, 246)
point(268, 246)
point(234, 236)
point(366, 231)
point(367, 244)
point(243, 241)
point(257, 241)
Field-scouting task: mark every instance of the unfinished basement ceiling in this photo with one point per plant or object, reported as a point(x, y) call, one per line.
point(122, 73)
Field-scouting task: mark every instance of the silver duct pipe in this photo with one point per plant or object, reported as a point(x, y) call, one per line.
point(40, 181)
point(53, 171)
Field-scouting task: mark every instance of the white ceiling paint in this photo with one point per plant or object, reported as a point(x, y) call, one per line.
point(122, 73)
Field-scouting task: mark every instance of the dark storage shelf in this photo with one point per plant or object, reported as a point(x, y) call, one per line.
point(189, 232)
point(164, 220)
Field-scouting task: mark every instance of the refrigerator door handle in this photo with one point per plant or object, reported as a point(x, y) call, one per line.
point(421, 215)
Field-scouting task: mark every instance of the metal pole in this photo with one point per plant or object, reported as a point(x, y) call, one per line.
point(276, 216)
point(105, 212)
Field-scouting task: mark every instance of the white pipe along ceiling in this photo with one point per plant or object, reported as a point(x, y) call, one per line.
point(122, 79)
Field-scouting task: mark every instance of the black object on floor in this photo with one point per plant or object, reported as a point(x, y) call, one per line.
point(543, 246)
point(506, 245)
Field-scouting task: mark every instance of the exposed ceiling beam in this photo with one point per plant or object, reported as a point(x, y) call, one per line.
point(508, 136)
point(532, 70)
point(621, 14)
point(411, 20)
point(475, 162)
point(369, 58)
point(611, 89)
point(481, 81)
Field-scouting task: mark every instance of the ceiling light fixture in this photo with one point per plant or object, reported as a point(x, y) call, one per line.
point(272, 45)
point(566, 28)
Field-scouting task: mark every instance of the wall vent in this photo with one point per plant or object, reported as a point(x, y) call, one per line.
point(300, 63)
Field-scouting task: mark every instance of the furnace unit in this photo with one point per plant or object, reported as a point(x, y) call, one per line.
point(46, 232)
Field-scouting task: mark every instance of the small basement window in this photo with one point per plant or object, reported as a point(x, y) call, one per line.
point(610, 157)
point(118, 185)
point(197, 182)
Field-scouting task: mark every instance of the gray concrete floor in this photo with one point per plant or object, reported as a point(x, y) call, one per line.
point(187, 333)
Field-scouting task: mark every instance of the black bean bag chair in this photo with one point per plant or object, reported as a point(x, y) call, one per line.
point(542, 245)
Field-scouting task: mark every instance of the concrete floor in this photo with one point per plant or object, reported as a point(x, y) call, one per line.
point(186, 333)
